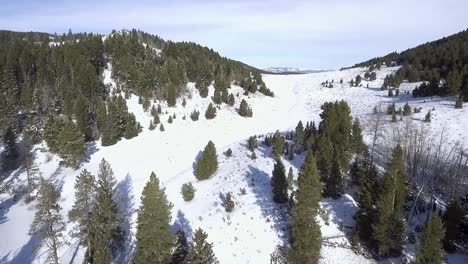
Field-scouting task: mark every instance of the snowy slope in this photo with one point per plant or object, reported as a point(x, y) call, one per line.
point(251, 232)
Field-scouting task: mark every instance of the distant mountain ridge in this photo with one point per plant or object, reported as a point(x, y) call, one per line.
point(290, 70)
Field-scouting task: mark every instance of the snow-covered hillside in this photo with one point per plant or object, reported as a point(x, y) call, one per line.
point(251, 232)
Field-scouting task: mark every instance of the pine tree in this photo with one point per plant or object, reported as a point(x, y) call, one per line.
point(394, 118)
point(181, 248)
point(406, 110)
point(453, 219)
point(299, 138)
point(357, 143)
point(459, 102)
point(324, 158)
point(154, 239)
point(187, 191)
point(10, 154)
point(278, 144)
point(85, 193)
point(106, 231)
point(210, 112)
point(201, 252)
point(156, 119)
point(252, 143)
point(208, 162)
point(231, 100)
point(388, 231)
point(48, 221)
point(365, 175)
point(194, 115)
point(427, 118)
point(430, 250)
point(161, 128)
point(71, 142)
point(253, 156)
point(228, 152)
point(244, 109)
point(305, 230)
point(228, 203)
point(151, 126)
point(335, 184)
point(279, 183)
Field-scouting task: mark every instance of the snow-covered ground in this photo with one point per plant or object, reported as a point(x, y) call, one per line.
point(252, 231)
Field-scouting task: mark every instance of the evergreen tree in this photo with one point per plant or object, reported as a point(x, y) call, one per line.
point(388, 231)
point(228, 152)
point(459, 102)
point(453, 219)
point(244, 109)
point(454, 81)
point(161, 128)
point(356, 139)
point(154, 239)
point(231, 100)
point(10, 154)
point(394, 118)
point(181, 248)
point(335, 184)
point(305, 230)
point(228, 203)
point(106, 231)
point(210, 112)
point(194, 115)
point(188, 191)
point(208, 162)
point(72, 148)
point(278, 144)
point(48, 221)
point(151, 126)
point(217, 97)
point(324, 158)
point(430, 250)
point(156, 119)
point(201, 251)
point(252, 143)
point(299, 138)
point(85, 193)
point(365, 175)
point(427, 118)
point(279, 182)
point(253, 156)
point(407, 110)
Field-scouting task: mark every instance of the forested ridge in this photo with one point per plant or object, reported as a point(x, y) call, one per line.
point(52, 85)
point(442, 64)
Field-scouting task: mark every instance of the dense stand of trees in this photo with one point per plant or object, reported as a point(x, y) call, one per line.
point(53, 89)
point(442, 64)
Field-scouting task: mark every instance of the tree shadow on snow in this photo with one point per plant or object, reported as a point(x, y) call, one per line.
point(259, 182)
point(5, 206)
point(194, 164)
point(182, 223)
point(124, 192)
point(26, 254)
point(90, 150)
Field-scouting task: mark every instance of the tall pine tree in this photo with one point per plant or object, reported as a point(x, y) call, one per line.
point(279, 182)
point(430, 249)
point(388, 231)
point(48, 221)
point(201, 251)
point(305, 230)
point(208, 162)
point(154, 239)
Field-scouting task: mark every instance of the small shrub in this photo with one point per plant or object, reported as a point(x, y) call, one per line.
point(188, 191)
point(228, 153)
point(229, 203)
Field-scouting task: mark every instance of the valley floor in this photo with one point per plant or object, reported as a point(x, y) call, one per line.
point(253, 230)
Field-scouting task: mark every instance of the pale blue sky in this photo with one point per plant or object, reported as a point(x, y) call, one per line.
point(315, 34)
